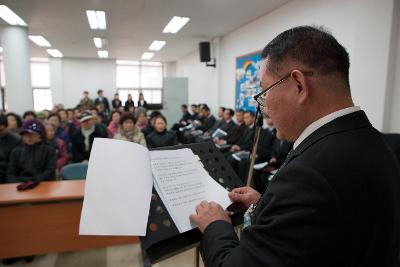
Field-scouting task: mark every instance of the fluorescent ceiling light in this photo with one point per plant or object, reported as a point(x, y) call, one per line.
point(10, 17)
point(39, 59)
point(99, 42)
point(54, 52)
point(175, 24)
point(102, 53)
point(97, 19)
point(156, 45)
point(39, 40)
point(147, 55)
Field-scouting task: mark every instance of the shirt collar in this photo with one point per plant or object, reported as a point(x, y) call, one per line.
point(322, 121)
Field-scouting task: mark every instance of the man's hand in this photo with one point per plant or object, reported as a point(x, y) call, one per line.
point(244, 197)
point(235, 148)
point(208, 212)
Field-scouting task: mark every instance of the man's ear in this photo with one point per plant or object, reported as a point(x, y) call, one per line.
point(303, 90)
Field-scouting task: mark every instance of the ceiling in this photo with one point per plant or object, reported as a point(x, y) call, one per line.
point(133, 24)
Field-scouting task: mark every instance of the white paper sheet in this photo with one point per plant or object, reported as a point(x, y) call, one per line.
point(260, 166)
point(117, 190)
point(182, 183)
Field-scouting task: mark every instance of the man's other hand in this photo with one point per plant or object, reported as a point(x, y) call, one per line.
point(244, 196)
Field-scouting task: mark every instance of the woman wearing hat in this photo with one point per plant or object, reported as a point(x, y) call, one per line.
point(34, 160)
point(128, 131)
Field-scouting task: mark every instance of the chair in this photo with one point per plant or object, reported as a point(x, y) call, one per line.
point(74, 171)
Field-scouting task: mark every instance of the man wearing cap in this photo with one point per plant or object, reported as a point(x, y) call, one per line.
point(8, 142)
point(34, 160)
point(82, 139)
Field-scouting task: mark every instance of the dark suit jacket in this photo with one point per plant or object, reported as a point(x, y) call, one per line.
point(229, 128)
point(336, 202)
point(207, 123)
point(246, 140)
point(237, 134)
point(104, 100)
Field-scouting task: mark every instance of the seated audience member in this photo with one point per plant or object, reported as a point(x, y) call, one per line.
point(141, 120)
point(34, 160)
point(46, 113)
point(237, 134)
point(128, 131)
point(29, 115)
point(141, 102)
point(129, 104)
point(220, 114)
point(14, 123)
point(101, 99)
point(203, 128)
point(246, 138)
point(72, 119)
point(112, 127)
point(184, 120)
point(160, 137)
point(8, 142)
point(116, 103)
point(68, 126)
point(82, 139)
point(58, 145)
point(195, 113)
point(55, 119)
point(150, 126)
point(207, 118)
point(227, 125)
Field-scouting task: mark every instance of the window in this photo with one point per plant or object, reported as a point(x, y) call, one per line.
point(42, 99)
point(134, 77)
point(40, 79)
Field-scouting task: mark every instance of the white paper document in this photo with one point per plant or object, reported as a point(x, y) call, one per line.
point(117, 189)
point(182, 183)
point(119, 185)
point(260, 166)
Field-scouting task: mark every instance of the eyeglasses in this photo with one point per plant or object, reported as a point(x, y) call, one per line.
point(260, 97)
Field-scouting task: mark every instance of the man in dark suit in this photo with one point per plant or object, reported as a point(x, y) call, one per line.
point(101, 99)
point(331, 203)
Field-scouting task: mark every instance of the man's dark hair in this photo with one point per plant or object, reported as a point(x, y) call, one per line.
point(29, 113)
point(184, 106)
point(3, 120)
point(222, 108)
point(251, 113)
point(194, 105)
point(206, 108)
point(240, 110)
point(231, 112)
point(99, 91)
point(312, 46)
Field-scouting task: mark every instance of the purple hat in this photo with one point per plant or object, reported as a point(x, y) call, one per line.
point(32, 126)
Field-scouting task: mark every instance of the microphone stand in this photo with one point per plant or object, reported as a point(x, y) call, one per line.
point(257, 132)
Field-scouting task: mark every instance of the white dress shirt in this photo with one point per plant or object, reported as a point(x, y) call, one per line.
point(322, 121)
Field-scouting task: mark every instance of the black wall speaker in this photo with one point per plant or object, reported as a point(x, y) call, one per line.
point(204, 49)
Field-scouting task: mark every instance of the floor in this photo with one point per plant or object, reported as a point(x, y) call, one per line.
point(118, 256)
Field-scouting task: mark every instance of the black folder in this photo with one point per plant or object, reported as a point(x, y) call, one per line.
point(163, 239)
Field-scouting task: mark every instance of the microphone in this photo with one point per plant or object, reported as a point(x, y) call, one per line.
point(257, 132)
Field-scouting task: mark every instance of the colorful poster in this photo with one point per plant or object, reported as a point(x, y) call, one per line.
point(247, 81)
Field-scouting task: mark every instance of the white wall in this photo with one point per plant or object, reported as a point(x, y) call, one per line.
point(70, 77)
point(203, 81)
point(393, 97)
point(362, 26)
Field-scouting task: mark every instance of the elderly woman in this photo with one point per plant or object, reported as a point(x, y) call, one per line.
point(58, 144)
point(128, 131)
point(161, 137)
